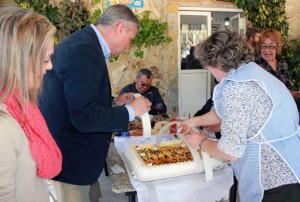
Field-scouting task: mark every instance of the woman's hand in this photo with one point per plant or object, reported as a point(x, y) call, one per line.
point(186, 126)
point(213, 128)
point(194, 138)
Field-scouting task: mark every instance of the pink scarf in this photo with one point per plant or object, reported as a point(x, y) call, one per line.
point(43, 147)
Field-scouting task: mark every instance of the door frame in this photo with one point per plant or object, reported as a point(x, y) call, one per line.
point(206, 14)
point(199, 10)
point(191, 11)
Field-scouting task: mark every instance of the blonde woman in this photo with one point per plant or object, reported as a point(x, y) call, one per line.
point(28, 152)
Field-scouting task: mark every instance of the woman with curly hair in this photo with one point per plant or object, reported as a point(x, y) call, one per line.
point(259, 122)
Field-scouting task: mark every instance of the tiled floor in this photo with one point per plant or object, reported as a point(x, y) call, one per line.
point(106, 194)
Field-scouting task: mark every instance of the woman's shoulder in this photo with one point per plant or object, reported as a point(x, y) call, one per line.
point(11, 131)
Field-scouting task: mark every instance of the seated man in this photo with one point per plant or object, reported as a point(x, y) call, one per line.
point(142, 85)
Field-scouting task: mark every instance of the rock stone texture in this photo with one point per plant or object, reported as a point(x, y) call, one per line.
point(165, 57)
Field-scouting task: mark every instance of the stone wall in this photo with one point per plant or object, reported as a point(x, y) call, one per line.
point(7, 3)
point(292, 10)
point(164, 57)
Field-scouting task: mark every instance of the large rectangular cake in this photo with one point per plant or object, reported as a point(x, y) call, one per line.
point(169, 159)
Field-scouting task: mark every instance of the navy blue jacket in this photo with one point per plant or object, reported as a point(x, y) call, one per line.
point(76, 102)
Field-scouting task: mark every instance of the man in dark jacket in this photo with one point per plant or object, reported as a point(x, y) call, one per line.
point(76, 102)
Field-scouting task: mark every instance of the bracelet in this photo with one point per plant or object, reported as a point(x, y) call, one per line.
point(201, 142)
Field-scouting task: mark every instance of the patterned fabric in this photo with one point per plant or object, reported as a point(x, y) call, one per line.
point(241, 97)
point(43, 147)
point(280, 131)
point(282, 72)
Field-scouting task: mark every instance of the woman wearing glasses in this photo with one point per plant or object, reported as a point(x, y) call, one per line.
point(269, 47)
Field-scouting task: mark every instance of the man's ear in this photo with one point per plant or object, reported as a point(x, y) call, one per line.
point(120, 27)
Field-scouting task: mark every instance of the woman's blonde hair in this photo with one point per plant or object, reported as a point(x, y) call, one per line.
point(24, 38)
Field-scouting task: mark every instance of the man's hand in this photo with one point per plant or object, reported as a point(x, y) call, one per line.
point(125, 98)
point(140, 105)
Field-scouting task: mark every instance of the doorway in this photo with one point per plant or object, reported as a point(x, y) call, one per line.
point(194, 26)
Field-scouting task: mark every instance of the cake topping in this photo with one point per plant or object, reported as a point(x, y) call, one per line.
point(149, 164)
point(137, 147)
point(176, 152)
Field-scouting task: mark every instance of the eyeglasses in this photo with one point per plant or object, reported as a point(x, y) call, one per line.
point(265, 47)
point(144, 85)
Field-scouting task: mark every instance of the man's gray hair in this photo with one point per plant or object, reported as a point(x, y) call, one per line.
point(117, 13)
point(145, 72)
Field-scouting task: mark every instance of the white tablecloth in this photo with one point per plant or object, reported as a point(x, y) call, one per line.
point(191, 188)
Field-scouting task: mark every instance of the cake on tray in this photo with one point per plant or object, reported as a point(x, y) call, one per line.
point(170, 159)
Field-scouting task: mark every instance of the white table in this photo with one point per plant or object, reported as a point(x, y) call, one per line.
point(194, 185)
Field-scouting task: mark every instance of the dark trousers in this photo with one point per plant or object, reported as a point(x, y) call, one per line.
point(285, 193)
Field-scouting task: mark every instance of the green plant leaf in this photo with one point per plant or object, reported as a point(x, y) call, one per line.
point(151, 33)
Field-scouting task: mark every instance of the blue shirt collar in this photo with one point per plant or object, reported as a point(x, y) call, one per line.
point(104, 46)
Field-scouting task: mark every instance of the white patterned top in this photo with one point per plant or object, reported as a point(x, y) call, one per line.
point(246, 108)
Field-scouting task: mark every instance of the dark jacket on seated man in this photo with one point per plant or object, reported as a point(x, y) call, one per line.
point(152, 94)
point(143, 86)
